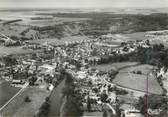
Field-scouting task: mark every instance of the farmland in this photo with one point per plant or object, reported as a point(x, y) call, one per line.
point(114, 66)
point(6, 94)
point(12, 30)
point(126, 78)
point(136, 36)
point(141, 36)
point(51, 22)
point(13, 50)
point(18, 107)
point(53, 25)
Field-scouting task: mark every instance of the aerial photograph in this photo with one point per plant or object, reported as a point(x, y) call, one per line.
point(83, 58)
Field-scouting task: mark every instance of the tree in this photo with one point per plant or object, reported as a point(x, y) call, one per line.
point(27, 71)
point(44, 109)
point(27, 99)
point(32, 80)
point(10, 62)
point(68, 91)
point(96, 90)
point(154, 102)
point(34, 56)
point(147, 42)
point(70, 108)
point(71, 103)
point(139, 72)
point(88, 104)
point(103, 97)
point(158, 47)
point(47, 99)
point(104, 113)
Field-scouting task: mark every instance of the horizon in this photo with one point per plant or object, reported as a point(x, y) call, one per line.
point(83, 4)
point(83, 8)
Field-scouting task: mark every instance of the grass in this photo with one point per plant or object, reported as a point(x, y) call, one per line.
point(51, 22)
point(138, 81)
point(12, 30)
point(19, 108)
point(141, 36)
point(136, 36)
point(6, 92)
point(113, 66)
point(133, 81)
point(145, 69)
point(13, 50)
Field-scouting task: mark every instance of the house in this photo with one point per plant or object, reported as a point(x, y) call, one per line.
point(47, 69)
point(154, 112)
point(130, 111)
point(112, 97)
point(81, 74)
point(17, 83)
point(50, 87)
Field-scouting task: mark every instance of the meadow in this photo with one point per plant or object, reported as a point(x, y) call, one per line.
point(6, 92)
point(13, 50)
point(18, 106)
point(127, 76)
point(114, 66)
point(127, 79)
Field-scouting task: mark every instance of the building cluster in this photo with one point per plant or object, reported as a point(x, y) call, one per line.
point(43, 69)
point(160, 36)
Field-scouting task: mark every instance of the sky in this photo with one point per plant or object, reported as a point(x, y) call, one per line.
point(83, 3)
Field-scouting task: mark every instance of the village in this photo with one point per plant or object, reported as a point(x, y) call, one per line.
point(99, 92)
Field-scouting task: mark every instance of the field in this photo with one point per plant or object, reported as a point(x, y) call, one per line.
point(6, 92)
point(12, 30)
point(26, 18)
point(125, 78)
point(141, 36)
point(13, 50)
point(114, 66)
point(19, 108)
point(51, 22)
point(145, 69)
point(160, 42)
point(136, 36)
point(60, 41)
